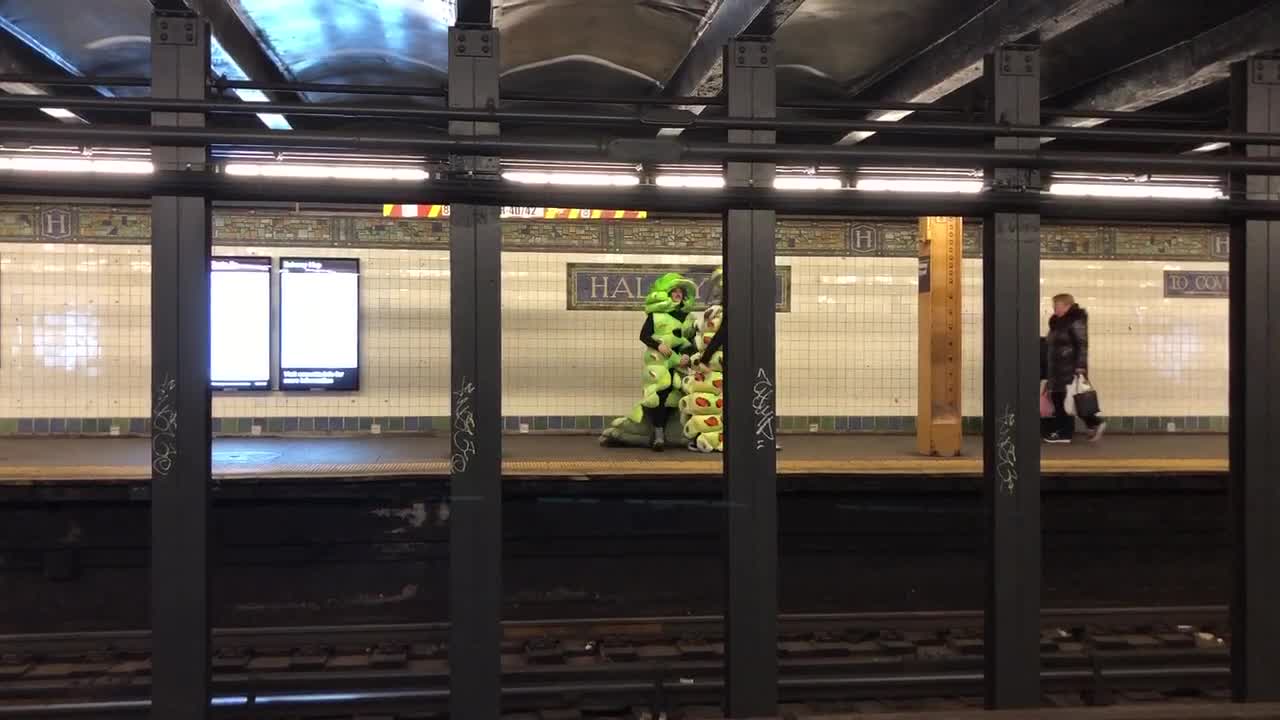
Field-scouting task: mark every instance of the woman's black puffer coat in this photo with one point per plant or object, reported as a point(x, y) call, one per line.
point(1068, 347)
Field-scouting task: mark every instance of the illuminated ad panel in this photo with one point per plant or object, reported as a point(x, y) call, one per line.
point(240, 323)
point(319, 324)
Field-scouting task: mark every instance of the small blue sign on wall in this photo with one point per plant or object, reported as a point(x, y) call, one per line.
point(606, 286)
point(1197, 284)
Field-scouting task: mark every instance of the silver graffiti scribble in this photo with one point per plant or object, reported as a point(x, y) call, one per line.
point(464, 427)
point(762, 406)
point(1006, 451)
point(164, 428)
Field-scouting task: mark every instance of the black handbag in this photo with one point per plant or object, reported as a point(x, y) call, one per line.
point(1084, 398)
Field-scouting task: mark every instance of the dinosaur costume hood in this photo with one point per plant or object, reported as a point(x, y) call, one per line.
point(659, 298)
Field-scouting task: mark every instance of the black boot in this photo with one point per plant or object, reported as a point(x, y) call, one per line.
point(658, 441)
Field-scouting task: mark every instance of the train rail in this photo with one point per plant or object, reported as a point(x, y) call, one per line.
point(619, 663)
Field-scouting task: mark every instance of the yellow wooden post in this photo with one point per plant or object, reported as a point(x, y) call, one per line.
point(938, 418)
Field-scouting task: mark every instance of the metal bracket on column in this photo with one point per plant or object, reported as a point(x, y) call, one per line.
point(475, 531)
point(180, 440)
point(1255, 396)
point(1264, 71)
point(1011, 418)
point(750, 474)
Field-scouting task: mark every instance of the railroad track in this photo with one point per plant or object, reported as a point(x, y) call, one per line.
point(619, 664)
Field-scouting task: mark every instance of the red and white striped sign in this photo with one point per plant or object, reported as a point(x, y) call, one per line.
point(526, 213)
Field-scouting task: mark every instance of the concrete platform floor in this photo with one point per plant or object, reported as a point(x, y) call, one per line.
point(27, 460)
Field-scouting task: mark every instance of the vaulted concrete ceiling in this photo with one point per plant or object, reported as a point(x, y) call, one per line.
point(1098, 53)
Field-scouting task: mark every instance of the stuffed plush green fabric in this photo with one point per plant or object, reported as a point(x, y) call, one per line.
point(657, 372)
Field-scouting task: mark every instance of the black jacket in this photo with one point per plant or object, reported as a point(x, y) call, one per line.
point(1067, 347)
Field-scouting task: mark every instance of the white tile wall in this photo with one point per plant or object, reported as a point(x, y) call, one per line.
point(74, 330)
point(74, 336)
point(559, 362)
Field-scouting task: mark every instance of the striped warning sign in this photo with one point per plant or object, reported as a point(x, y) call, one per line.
point(527, 213)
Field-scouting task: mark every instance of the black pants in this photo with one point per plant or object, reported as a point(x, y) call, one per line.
point(658, 415)
point(1064, 424)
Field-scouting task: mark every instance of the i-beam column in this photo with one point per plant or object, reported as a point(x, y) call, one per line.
point(475, 488)
point(1011, 413)
point(180, 406)
point(750, 474)
point(1255, 397)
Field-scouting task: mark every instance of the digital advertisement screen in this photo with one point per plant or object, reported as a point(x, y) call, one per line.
point(319, 324)
point(240, 323)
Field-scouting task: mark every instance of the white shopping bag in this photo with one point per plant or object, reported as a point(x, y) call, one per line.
point(1077, 386)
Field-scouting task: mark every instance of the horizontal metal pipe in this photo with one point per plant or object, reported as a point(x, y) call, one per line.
point(65, 81)
point(1137, 115)
point(218, 186)
point(670, 118)
point(660, 150)
point(657, 100)
point(335, 88)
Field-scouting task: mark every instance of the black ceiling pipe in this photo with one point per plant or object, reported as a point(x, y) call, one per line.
point(647, 120)
point(653, 151)
point(714, 100)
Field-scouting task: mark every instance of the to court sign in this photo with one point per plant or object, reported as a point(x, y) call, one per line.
point(1196, 284)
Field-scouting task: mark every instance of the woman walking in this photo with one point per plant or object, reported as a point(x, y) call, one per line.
point(1067, 357)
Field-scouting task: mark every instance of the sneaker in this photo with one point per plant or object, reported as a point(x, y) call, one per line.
point(1096, 434)
point(659, 441)
point(1056, 439)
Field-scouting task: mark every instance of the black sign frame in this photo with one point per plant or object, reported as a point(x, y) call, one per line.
point(256, 386)
point(350, 380)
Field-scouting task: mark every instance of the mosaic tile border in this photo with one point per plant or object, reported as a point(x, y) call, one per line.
point(848, 237)
point(790, 424)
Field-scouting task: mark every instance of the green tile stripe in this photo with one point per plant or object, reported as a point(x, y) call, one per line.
point(564, 424)
point(841, 237)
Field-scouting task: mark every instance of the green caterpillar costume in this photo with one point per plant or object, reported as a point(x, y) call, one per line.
point(702, 407)
point(673, 324)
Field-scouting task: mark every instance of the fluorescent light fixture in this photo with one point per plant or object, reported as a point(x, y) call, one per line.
point(917, 185)
point(716, 181)
point(337, 172)
point(131, 167)
point(689, 181)
point(807, 183)
point(21, 88)
point(60, 113)
point(569, 178)
point(1137, 190)
point(273, 121)
point(1209, 147)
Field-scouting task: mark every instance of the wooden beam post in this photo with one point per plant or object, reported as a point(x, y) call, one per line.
point(939, 416)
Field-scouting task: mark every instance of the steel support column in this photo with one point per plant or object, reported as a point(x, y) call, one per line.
point(475, 535)
point(180, 404)
point(750, 473)
point(1011, 417)
point(1255, 399)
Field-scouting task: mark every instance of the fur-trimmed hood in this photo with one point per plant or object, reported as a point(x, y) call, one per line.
point(1074, 314)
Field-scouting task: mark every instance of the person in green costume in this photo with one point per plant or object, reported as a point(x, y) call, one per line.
point(702, 407)
point(666, 336)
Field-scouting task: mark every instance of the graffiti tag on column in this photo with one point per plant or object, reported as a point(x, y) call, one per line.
point(464, 427)
point(164, 428)
point(762, 406)
point(1006, 451)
